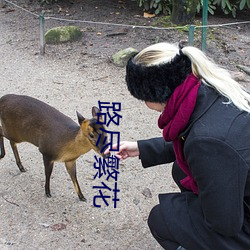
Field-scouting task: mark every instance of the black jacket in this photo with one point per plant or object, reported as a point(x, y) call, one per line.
point(216, 145)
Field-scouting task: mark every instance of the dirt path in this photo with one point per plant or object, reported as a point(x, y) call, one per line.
point(71, 81)
point(75, 77)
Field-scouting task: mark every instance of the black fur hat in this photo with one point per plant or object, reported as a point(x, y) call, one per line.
point(156, 83)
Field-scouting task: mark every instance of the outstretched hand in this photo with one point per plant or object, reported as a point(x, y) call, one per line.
point(126, 149)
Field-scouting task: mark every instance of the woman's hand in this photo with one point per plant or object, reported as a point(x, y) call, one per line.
point(126, 149)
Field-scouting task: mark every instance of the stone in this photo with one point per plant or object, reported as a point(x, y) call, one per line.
point(2, 3)
point(239, 76)
point(121, 58)
point(147, 193)
point(63, 34)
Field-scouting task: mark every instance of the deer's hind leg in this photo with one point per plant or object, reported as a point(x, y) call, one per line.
point(71, 168)
point(16, 154)
point(1, 144)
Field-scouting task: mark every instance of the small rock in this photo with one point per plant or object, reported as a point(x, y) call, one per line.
point(44, 225)
point(121, 58)
point(9, 243)
point(63, 34)
point(136, 201)
point(239, 76)
point(2, 3)
point(6, 242)
point(146, 192)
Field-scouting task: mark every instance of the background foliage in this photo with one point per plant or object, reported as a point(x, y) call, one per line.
point(227, 6)
point(165, 6)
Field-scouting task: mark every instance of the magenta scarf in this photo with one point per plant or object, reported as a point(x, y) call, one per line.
point(174, 119)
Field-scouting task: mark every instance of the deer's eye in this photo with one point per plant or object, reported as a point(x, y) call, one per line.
point(91, 136)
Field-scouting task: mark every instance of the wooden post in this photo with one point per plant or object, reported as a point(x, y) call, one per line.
point(204, 24)
point(42, 31)
point(191, 35)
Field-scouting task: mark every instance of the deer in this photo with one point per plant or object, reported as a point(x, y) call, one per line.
point(58, 138)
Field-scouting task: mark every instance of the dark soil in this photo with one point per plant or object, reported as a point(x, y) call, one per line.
point(228, 45)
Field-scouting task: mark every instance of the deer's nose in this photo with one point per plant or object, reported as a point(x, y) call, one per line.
point(106, 155)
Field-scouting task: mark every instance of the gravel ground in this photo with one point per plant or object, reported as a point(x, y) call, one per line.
point(72, 77)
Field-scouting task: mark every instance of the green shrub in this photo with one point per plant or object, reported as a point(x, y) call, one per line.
point(232, 6)
point(165, 6)
point(211, 7)
point(157, 6)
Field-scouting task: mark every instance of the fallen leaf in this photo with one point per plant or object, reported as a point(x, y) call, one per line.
point(147, 15)
point(58, 227)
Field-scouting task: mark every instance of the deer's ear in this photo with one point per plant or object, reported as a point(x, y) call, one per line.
point(95, 110)
point(80, 118)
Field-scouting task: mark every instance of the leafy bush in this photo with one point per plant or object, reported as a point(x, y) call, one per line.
point(211, 7)
point(226, 6)
point(157, 6)
point(244, 3)
point(165, 6)
point(232, 6)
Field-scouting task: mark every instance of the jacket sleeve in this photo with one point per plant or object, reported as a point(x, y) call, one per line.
point(155, 151)
point(220, 173)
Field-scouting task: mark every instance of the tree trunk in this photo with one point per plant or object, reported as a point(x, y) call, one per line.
point(183, 11)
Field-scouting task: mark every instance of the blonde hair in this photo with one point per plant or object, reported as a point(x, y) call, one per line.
point(202, 67)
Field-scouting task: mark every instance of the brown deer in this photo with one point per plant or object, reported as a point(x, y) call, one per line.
point(59, 138)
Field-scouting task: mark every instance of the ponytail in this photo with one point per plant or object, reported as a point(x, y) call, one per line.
point(201, 66)
point(218, 78)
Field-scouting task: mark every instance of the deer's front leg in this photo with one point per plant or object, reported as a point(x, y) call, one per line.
point(71, 168)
